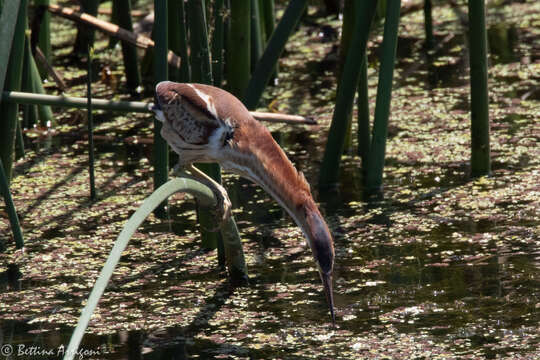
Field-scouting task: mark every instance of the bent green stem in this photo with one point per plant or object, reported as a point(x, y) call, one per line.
point(205, 196)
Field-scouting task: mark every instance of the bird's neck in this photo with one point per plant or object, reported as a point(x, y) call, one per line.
point(263, 161)
point(289, 188)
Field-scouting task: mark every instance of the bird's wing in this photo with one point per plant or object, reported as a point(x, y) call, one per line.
point(187, 121)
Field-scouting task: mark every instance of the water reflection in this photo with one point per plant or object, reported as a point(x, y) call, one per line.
point(502, 40)
point(388, 275)
point(10, 279)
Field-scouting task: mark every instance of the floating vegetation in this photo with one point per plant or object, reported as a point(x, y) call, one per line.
point(443, 267)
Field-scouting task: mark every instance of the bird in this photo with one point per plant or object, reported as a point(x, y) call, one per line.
point(203, 123)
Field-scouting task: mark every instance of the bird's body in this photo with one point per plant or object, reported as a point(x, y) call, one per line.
point(206, 124)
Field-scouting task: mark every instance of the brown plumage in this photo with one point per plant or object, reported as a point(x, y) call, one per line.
point(206, 124)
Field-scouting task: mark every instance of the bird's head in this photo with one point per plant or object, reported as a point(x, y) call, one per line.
point(322, 246)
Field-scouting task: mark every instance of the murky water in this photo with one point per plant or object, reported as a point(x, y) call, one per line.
point(443, 267)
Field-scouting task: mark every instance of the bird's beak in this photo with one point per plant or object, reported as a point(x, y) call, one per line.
point(322, 245)
point(328, 291)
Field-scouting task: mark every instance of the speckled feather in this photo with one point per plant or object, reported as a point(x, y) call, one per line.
point(196, 122)
point(206, 124)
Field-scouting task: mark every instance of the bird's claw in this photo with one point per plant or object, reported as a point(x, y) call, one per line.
point(223, 208)
point(177, 168)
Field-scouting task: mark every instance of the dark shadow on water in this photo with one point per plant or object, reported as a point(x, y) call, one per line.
point(502, 39)
point(72, 174)
point(10, 279)
point(473, 291)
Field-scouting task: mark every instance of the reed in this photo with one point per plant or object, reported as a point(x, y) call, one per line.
point(174, 35)
point(329, 174)
point(218, 38)
point(362, 104)
point(12, 37)
point(161, 73)
point(480, 148)
point(129, 52)
point(85, 34)
point(428, 24)
point(266, 65)
point(233, 248)
point(90, 123)
point(238, 54)
point(201, 72)
point(10, 207)
point(185, 68)
point(44, 40)
point(377, 150)
point(13, 24)
point(257, 39)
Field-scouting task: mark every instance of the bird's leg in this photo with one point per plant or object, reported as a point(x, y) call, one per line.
point(223, 206)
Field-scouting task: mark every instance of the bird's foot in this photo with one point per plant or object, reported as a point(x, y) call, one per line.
point(180, 170)
point(223, 209)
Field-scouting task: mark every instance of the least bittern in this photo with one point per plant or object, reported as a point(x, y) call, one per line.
point(206, 124)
